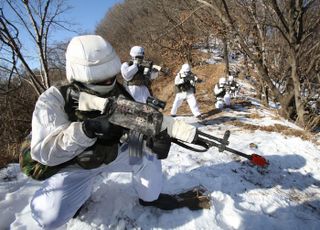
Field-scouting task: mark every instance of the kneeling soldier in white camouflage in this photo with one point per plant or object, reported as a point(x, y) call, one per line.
point(73, 140)
point(221, 94)
point(233, 86)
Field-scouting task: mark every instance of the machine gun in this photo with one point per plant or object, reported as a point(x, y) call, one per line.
point(148, 121)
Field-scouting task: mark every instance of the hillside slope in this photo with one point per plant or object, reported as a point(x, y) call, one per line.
point(285, 195)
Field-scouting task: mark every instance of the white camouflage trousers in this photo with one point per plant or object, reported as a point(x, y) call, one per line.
point(223, 101)
point(140, 93)
point(180, 97)
point(64, 193)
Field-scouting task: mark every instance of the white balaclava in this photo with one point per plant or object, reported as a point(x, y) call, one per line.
point(222, 81)
point(92, 60)
point(137, 54)
point(185, 68)
point(136, 51)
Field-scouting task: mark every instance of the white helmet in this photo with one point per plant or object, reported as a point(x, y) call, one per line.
point(90, 59)
point(222, 81)
point(185, 68)
point(137, 51)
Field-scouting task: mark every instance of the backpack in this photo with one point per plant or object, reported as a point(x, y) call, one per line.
point(33, 168)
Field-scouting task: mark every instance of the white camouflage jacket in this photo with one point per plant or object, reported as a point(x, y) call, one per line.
point(55, 139)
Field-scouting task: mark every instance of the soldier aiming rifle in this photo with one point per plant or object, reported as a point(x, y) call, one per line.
point(185, 88)
point(138, 74)
point(93, 126)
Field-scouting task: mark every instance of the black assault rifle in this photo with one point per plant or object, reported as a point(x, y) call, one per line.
point(191, 77)
point(146, 120)
point(148, 66)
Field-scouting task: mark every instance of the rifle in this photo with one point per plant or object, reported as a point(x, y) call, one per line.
point(147, 120)
point(221, 144)
point(191, 78)
point(148, 67)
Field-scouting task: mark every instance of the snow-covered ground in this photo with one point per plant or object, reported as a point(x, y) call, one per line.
point(286, 195)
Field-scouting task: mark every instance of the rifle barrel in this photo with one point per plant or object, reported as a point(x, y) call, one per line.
point(238, 153)
point(220, 140)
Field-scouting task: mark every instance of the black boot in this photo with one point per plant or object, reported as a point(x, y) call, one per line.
point(77, 212)
point(193, 199)
point(164, 202)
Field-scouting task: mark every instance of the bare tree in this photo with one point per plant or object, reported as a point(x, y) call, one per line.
point(33, 21)
point(167, 29)
point(276, 36)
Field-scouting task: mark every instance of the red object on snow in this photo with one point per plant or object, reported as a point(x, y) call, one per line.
point(259, 160)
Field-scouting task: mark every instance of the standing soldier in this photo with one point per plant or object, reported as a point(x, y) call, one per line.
point(185, 83)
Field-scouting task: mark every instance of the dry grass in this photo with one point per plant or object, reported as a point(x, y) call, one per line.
point(253, 116)
point(285, 130)
point(15, 120)
point(9, 154)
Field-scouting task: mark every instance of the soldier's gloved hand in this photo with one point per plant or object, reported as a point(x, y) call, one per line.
point(137, 61)
point(140, 68)
point(89, 102)
point(160, 144)
point(100, 127)
point(178, 129)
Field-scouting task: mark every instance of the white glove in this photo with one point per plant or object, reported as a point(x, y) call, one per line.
point(89, 102)
point(178, 129)
point(156, 67)
point(137, 61)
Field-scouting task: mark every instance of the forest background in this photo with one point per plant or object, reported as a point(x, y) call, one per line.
point(278, 42)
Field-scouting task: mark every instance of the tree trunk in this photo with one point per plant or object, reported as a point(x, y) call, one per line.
point(246, 65)
point(287, 103)
point(300, 110)
point(263, 72)
point(226, 55)
point(266, 94)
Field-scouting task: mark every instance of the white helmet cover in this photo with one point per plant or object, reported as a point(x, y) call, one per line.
point(222, 81)
point(91, 59)
point(136, 51)
point(185, 68)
